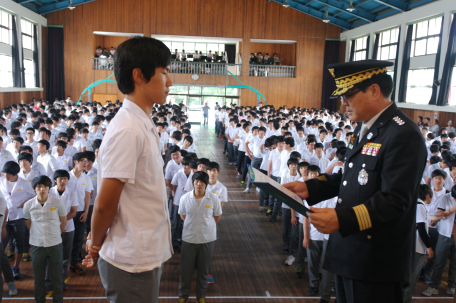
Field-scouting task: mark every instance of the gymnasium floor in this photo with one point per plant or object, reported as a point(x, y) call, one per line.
point(248, 266)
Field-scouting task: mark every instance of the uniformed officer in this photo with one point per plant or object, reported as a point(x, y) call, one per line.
point(373, 225)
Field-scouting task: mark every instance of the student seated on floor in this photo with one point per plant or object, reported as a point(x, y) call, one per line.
point(201, 211)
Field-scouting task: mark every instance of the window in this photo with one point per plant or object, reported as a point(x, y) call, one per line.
point(29, 73)
point(452, 97)
point(387, 44)
point(425, 37)
point(192, 47)
point(6, 71)
point(27, 34)
point(419, 86)
point(360, 49)
point(6, 23)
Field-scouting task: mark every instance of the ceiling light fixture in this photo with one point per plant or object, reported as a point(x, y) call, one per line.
point(286, 5)
point(351, 7)
point(71, 7)
point(326, 20)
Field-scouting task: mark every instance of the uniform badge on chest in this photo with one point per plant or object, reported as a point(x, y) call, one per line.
point(363, 177)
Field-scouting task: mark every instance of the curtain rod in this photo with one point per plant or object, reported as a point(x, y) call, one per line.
point(60, 26)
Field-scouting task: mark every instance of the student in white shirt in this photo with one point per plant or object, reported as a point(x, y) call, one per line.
point(423, 244)
point(70, 199)
point(230, 136)
point(178, 184)
point(242, 136)
point(187, 144)
point(49, 163)
point(172, 167)
point(201, 211)
point(36, 166)
point(83, 143)
point(92, 173)
point(46, 217)
point(16, 191)
point(27, 173)
point(132, 193)
point(274, 173)
point(264, 197)
point(445, 248)
point(82, 185)
point(319, 158)
point(63, 161)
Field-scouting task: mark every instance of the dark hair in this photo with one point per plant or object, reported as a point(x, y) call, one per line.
point(212, 165)
point(384, 81)
point(90, 156)
point(45, 142)
point(435, 159)
point(11, 167)
point(292, 161)
point(174, 149)
point(25, 147)
point(314, 168)
point(25, 156)
point(79, 156)
point(42, 180)
point(18, 139)
point(439, 173)
point(61, 143)
point(144, 53)
point(202, 176)
point(61, 173)
point(423, 191)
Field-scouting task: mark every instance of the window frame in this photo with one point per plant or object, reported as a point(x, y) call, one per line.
point(380, 45)
point(361, 49)
point(9, 28)
point(427, 37)
point(27, 35)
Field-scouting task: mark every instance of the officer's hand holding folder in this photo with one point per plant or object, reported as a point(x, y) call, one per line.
point(278, 191)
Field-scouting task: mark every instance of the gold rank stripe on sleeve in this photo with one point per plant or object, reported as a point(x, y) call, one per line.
point(363, 217)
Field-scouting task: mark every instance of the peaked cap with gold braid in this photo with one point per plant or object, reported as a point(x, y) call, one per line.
point(349, 75)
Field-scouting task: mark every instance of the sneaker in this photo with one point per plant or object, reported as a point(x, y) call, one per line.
point(450, 291)
point(200, 300)
point(210, 279)
point(242, 182)
point(246, 191)
point(286, 249)
point(430, 291)
point(182, 300)
point(16, 273)
point(273, 219)
point(65, 286)
point(312, 291)
point(261, 209)
point(77, 270)
point(26, 257)
point(238, 176)
point(300, 273)
point(11, 256)
point(12, 289)
point(290, 260)
point(269, 212)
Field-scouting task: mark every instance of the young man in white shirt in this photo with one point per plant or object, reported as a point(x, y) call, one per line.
point(132, 192)
point(274, 173)
point(27, 173)
point(319, 158)
point(63, 161)
point(201, 211)
point(82, 185)
point(70, 199)
point(445, 248)
point(36, 166)
point(49, 163)
point(45, 216)
point(16, 191)
point(92, 173)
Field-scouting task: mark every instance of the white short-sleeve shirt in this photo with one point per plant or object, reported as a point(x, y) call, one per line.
point(20, 192)
point(45, 227)
point(140, 234)
point(70, 199)
point(80, 185)
point(199, 224)
point(49, 163)
point(219, 190)
point(446, 202)
point(422, 216)
point(180, 179)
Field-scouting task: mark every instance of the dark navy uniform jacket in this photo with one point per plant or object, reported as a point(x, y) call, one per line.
point(377, 194)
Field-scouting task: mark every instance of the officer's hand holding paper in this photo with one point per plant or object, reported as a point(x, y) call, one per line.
point(279, 191)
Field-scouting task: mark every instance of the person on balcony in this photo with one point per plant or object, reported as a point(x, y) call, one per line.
point(98, 52)
point(184, 55)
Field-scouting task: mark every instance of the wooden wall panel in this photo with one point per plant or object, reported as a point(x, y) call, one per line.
point(442, 116)
point(285, 51)
point(245, 19)
point(107, 41)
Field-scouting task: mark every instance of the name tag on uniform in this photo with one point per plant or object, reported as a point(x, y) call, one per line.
point(19, 189)
point(208, 206)
point(371, 149)
point(30, 180)
point(53, 208)
point(94, 178)
point(6, 157)
point(216, 193)
point(83, 184)
point(65, 161)
point(34, 169)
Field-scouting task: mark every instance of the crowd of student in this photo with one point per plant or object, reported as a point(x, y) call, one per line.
point(300, 144)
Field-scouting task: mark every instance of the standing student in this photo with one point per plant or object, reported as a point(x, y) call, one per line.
point(45, 216)
point(201, 211)
point(172, 167)
point(92, 173)
point(274, 173)
point(16, 192)
point(423, 244)
point(82, 185)
point(63, 161)
point(49, 163)
point(131, 193)
point(36, 166)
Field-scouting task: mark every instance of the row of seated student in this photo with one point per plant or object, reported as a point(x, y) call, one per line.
point(104, 52)
point(258, 58)
point(199, 57)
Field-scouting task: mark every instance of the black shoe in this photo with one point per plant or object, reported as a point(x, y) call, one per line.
point(323, 301)
point(300, 273)
point(320, 276)
point(312, 291)
point(273, 218)
point(177, 249)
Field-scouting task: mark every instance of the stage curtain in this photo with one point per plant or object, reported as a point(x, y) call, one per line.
point(435, 81)
point(329, 85)
point(35, 56)
point(15, 56)
point(450, 60)
point(375, 51)
point(55, 76)
point(230, 50)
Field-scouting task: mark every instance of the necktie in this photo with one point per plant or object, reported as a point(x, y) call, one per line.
point(362, 132)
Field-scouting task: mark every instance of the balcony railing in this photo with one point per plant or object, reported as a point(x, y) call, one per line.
point(103, 63)
point(278, 71)
point(203, 68)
